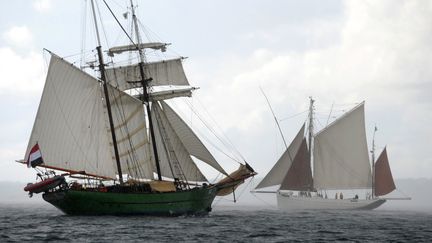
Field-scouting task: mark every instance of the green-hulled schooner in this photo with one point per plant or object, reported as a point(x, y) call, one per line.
point(135, 152)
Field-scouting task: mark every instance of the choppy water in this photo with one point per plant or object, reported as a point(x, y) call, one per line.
point(19, 223)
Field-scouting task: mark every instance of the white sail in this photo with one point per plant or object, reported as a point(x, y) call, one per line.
point(70, 123)
point(131, 134)
point(176, 159)
point(151, 45)
point(189, 139)
point(166, 72)
point(171, 93)
point(341, 155)
point(280, 169)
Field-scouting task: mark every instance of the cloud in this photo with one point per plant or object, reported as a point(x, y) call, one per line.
point(42, 5)
point(18, 36)
point(21, 74)
point(381, 54)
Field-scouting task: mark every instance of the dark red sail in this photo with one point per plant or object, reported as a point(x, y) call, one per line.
point(384, 183)
point(299, 176)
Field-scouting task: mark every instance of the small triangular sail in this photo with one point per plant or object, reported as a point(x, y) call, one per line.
point(189, 139)
point(384, 183)
point(166, 72)
point(341, 155)
point(279, 170)
point(70, 126)
point(175, 160)
point(299, 176)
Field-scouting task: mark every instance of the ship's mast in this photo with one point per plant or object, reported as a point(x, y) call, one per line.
point(144, 83)
point(310, 133)
point(107, 100)
point(310, 130)
point(373, 162)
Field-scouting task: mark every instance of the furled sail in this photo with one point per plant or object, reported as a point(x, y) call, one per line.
point(166, 72)
point(131, 134)
point(172, 93)
point(192, 143)
point(133, 47)
point(279, 170)
point(341, 155)
point(384, 183)
point(299, 176)
point(70, 123)
point(175, 160)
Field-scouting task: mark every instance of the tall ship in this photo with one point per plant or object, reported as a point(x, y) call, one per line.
point(317, 168)
point(120, 146)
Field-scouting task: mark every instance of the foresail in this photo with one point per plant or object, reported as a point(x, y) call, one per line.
point(280, 169)
point(189, 139)
point(341, 155)
point(299, 176)
point(131, 134)
point(166, 72)
point(175, 161)
point(384, 183)
point(70, 123)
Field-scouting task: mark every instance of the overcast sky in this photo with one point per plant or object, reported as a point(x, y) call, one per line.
point(340, 52)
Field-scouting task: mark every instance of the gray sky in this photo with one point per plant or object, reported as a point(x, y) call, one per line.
point(336, 51)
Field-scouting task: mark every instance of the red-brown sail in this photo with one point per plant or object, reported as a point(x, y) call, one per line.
point(299, 176)
point(384, 183)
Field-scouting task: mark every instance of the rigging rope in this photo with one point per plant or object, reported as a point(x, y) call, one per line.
point(214, 133)
point(230, 144)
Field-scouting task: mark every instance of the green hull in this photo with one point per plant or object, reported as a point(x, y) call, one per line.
point(194, 201)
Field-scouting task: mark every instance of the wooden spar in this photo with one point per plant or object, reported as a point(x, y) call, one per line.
point(105, 88)
point(144, 83)
point(69, 171)
point(264, 192)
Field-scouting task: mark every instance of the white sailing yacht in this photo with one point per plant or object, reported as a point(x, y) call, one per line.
point(339, 158)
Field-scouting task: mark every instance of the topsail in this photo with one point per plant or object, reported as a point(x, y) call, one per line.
point(166, 72)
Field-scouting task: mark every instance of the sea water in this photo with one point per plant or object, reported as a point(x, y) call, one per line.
point(34, 223)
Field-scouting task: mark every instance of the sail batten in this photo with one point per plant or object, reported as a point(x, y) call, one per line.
point(383, 180)
point(341, 155)
point(279, 170)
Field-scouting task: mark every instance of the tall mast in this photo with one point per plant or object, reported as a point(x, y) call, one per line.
point(310, 133)
point(373, 162)
point(144, 83)
point(105, 88)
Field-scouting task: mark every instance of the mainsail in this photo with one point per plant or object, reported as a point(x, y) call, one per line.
point(383, 179)
point(70, 123)
point(131, 134)
point(341, 155)
point(279, 170)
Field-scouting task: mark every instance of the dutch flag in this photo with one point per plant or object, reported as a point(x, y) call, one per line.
point(35, 157)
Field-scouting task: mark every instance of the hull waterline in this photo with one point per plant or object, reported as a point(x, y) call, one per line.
point(72, 202)
point(296, 203)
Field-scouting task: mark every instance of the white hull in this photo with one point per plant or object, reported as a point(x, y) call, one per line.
point(288, 202)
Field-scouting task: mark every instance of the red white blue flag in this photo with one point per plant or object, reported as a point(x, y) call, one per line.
point(35, 157)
